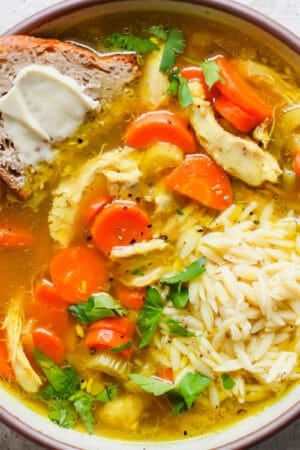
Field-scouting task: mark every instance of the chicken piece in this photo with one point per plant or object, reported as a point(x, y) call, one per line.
point(239, 157)
point(154, 84)
point(26, 377)
point(123, 412)
point(120, 170)
point(138, 248)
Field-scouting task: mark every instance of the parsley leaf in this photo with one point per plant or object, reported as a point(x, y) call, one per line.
point(179, 212)
point(187, 392)
point(179, 85)
point(63, 381)
point(177, 329)
point(211, 71)
point(179, 295)
point(228, 382)
point(82, 402)
point(174, 45)
point(118, 41)
point(158, 31)
point(97, 307)
point(151, 384)
point(149, 316)
point(192, 271)
point(108, 394)
point(62, 413)
point(138, 272)
point(122, 347)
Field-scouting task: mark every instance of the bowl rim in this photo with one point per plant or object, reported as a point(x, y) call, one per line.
point(233, 8)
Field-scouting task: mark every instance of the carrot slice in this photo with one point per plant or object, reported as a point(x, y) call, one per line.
point(107, 340)
point(6, 370)
point(160, 126)
point(297, 163)
point(47, 294)
point(241, 120)
point(195, 73)
point(199, 178)
point(49, 343)
point(15, 237)
point(78, 272)
point(120, 223)
point(165, 373)
point(94, 207)
point(132, 298)
point(122, 325)
point(239, 92)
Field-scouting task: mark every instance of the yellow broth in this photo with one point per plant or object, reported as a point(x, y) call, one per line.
point(21, 269)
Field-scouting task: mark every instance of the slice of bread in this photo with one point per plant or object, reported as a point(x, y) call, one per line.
point(102, 77)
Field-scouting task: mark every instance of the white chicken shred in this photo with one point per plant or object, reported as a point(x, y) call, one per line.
point(240, 157)
point(119, 168)
point(138, 248)
point(25, 375)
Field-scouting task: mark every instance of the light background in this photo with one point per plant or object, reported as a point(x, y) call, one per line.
point(287, 12)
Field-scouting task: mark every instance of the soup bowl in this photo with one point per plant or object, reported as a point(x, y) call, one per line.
point(247, 431)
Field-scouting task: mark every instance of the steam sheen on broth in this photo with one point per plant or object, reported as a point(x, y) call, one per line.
point(180, 228)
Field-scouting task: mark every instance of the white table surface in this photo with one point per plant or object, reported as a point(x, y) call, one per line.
point(286, 12)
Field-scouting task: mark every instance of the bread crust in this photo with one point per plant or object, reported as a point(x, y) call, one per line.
point(102, 77)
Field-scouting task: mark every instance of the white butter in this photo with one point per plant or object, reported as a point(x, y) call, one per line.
point(42, 107)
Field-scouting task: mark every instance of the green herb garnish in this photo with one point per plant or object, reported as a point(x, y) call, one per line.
point(188, 390)
point(176, 328)
point(158, 31)
point(108, 394)
point(179, 212)
point(174, 45)
point(122, 347)
point(97, 307)
point(179, 295)
point(82, 402)
point(151, 384)
point(228, 382)
point(190, 272)
point(62, 412)
point(149, 316)
point(211, 71)
point(181, 397)
point(129, 42)
point(138, 272)
point(179, 86)
point(64, 397)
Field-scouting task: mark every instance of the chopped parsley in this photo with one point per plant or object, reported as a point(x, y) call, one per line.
point(97, 307)
point(129, 42)
point(176, 328)
point(228, 382)
point(174, 46)
point(158, 31)
point(63, 395)
point(122, 347)
point(190, 272)
point(179, 86)
point(181, 397)
point(149, 316)
point(211, 71)
point(138, 272)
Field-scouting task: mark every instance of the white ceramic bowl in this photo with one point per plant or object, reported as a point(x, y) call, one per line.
point(247, 431)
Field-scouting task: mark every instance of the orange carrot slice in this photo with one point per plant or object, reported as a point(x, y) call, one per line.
point(78, 272)
point(120, 223)
point(49, 343)
point(122, 325)
point(15, 237)
point(241, 120)
point(160, 126)
point(132, 298)
point(6, 370)
point(199, 178)
point(108, 340)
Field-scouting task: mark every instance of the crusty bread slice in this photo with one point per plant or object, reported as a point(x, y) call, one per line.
point(103, 77)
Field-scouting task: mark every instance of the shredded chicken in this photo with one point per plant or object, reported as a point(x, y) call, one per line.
point(154, 83)
point(26, 377)
point(240, 157)
point(119, 168)
point(139, 248)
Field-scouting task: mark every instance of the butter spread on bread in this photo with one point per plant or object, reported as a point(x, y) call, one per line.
point(42, 107)
point(101, 77)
